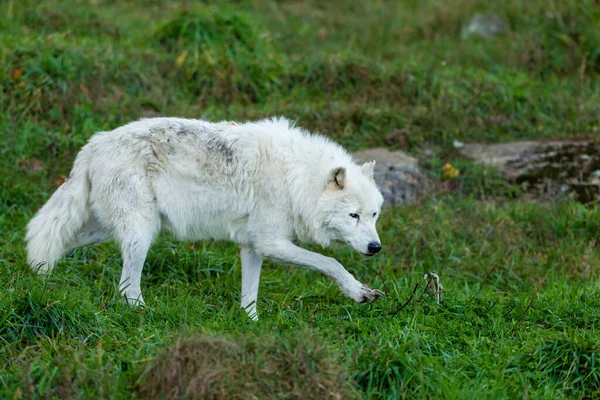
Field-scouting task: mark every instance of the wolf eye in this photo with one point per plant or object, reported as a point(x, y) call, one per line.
point(374, 215)
point(355, 216)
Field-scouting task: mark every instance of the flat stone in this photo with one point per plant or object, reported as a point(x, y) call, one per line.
point(571, 163)
point(484, 25)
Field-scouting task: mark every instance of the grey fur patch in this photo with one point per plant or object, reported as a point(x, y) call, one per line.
point(183, 132)
point(220, 148)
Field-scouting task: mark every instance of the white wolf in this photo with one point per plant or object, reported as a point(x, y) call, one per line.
point(263, 185)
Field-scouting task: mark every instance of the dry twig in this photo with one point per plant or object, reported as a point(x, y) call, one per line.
point(407, 301)
point(537, 288)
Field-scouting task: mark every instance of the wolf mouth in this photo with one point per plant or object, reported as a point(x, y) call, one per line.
point(368, 254)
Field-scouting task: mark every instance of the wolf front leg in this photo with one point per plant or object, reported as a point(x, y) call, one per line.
point(287, 252)
point(251, 266)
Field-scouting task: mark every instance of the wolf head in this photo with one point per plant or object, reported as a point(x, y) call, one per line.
point(349, 208)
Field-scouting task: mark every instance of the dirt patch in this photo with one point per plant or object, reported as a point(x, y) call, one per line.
point(205, 367)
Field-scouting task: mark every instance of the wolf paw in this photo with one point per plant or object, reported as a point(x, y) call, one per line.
point(42, 269)
point(368, 295)
point(134, 301)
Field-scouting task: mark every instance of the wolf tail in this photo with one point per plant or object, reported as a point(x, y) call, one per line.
point(57, 223)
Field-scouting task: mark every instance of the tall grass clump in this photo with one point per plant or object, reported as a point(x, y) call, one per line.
point(221, 54)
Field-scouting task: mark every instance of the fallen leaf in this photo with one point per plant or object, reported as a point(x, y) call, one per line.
point(449, 172)
point(181, 58)
point(32, 165)
point(60, 180)
point(17, 73)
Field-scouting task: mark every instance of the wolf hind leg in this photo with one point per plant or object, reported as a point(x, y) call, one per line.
point(251, 266)
point(135, 243)
point(125, 203)
point(93, 232)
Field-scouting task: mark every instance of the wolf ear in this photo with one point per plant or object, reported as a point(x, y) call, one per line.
point(368, 168)
point(336, 179)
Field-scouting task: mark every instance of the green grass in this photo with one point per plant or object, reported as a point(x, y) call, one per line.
point(521, 316)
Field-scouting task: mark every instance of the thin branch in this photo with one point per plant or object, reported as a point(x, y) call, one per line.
point(500, 299)
point(488, 274)
point(509, 311)
point(537, 288)
point(434, 293)
point(318, 310)
point(407, 301)
point(492, 306)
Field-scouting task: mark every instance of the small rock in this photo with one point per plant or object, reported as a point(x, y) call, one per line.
point(428, 152)
point(397, 175)
point(484, 25)
point(499, 120)
point(457, 144)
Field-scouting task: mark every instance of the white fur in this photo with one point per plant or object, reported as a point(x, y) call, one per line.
point(263, 185)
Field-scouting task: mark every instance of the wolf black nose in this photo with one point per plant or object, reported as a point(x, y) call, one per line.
point(374, 247)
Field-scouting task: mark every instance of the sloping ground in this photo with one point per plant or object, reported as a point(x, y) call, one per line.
point(220, 368)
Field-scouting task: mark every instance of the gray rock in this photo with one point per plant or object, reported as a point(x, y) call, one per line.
point(484, 25)
point(397, 175)
point(568, 164)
